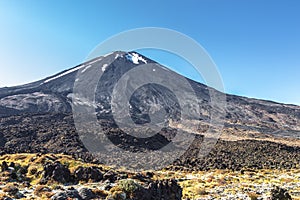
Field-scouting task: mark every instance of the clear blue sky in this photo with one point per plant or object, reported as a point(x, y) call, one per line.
point(255, 43)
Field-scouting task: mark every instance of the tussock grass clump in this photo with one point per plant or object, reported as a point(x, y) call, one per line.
point(43, 191)
point(253, 196)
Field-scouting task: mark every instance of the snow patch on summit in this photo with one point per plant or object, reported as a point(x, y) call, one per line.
point(135, 58)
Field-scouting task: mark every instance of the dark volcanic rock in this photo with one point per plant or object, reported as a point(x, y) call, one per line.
point(57, 172)
point(92, 174)
point(278, 193)
point(86, 193)
point(237, 155)
point(53, 133)
point(66, 195)
point(111, 176)
point(166, 189)
point(2, 140)
point(4, 166)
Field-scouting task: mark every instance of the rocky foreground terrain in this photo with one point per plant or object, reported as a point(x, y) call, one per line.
point(42, 156)
point(37, 176)
point(55, 176)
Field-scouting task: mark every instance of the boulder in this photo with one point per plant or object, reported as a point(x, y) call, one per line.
point(66, 195)
point(86, 193)
point(89, 174)
point(164, 189)
point(278, 193)
point(57, 172)
point(111, 176)
point(4, 166)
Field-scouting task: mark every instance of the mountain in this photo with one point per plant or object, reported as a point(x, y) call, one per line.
point(37, 117)
point(54, 95)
